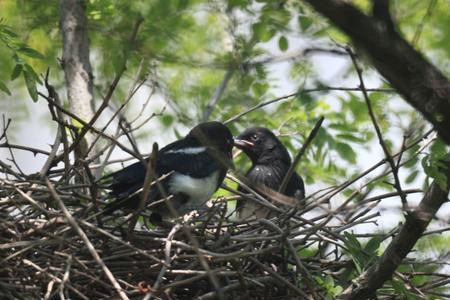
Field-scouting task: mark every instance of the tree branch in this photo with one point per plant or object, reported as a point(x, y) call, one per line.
point(219, 91)
point(421, 83)
point(415, 225)
point(299, 155)
point(389, 158)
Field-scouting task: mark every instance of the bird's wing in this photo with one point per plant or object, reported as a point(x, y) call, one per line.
point(296, 187)
point(128, 180)
point(272, 178)
point(189, 160)
point(178, 156)
point(131, 178)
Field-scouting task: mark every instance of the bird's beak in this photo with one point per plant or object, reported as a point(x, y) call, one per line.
point(242, 144)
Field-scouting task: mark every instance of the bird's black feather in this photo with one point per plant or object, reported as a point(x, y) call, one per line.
point(204, 152)
point(270, 163)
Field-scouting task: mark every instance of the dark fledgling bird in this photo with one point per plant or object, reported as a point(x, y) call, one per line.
point(197, 165)
point(270, 163)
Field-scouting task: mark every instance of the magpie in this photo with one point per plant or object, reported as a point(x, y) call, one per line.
point(191, 170)
point(270, 163)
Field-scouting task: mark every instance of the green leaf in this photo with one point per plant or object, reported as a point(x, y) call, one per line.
point(352, 241)
point(262, 32)
point(259, 88)
point(32, 73)
point(4, 88)
point(306, 252)
point(340, 126)
point(373, 244)
point(305, 22)
point(237, 3)
point(31, 85)
point(78, 125)
point(283, 43)
point(433, 164)
point(6, 30)
point(16, 72)
point(30, 52)
point(346, 152)
point(411, 177)
point(258, 29)
point(167, 120)
point(178, 135)
point(350, 137)
point(411, 162)
point(439, 149)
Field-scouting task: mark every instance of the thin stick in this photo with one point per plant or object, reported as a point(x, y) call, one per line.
point(278, 277)
point(219, 91)
point(389, 158)
point(86, 240)
point(304, 91)
point(149, 176)
point(299, 155)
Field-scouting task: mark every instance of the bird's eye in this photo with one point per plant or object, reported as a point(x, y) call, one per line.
point(254, 137)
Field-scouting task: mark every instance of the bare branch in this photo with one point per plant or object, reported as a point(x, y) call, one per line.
point(394, 168)
point(215, 99)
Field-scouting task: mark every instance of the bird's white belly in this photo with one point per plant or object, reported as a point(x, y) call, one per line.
point(199, 190)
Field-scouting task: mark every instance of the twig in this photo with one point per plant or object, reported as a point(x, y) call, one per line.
point(86, 240)
point(149, 176)
point(25, 148)
point(65, 277)
point(59, 118)
point(52, 155)
point(303, 91)
point(5, 128)
point(167, 250)
point(279, 277)
point(419, 28)
point(387, 154)
point(53, 277)
point(299, 155)
point(218, 93)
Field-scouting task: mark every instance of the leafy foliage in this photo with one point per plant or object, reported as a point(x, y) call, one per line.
point(20, 52)
point(363, 257)
point(434, 165)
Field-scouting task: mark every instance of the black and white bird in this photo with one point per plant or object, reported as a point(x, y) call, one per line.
point(196, 164)
point(270, 163)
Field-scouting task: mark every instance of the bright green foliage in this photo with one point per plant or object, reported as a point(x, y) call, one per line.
point(362, 256)
point(20, 52)
point(434, 163)
point(332, 290)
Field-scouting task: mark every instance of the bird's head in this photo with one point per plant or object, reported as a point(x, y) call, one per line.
point(213, 135)
point(260, 144)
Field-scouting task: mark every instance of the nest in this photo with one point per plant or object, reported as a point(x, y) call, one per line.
point(53, 244)
point(56, 244)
